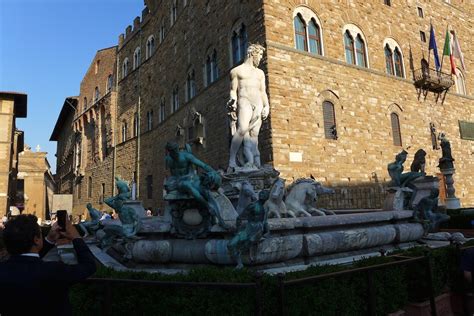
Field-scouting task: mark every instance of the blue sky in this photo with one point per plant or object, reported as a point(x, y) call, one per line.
point(46, 47)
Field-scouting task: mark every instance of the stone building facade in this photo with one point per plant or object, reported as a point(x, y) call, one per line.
point(12, 105)
point(35, 183)
point(65, 136)
point(85, 134)
point(342, 84)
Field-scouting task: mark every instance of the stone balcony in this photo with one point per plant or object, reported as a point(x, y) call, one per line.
point(431, 80)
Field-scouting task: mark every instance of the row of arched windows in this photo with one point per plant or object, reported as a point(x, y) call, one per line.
point(308, 37)
point(239, 45)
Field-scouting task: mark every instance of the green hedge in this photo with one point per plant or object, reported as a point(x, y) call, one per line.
point(459, 220)
point(347, 295)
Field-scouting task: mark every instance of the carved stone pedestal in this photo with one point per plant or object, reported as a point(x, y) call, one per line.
point(452, 202)
point(395, 199)
point(423, 187)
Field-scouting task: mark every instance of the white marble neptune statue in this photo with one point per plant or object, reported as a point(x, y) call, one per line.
point(248, 106)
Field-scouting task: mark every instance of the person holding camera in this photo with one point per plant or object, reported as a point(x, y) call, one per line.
point(29, 284)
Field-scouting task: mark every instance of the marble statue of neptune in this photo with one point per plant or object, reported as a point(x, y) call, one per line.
point(248, 106)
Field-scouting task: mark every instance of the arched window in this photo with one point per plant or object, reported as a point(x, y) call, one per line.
point(396, 133)
point(174, 12)
point(89, 188)
point(300, 33)
point(211, 68)
point(84, 104)
point(124, 131)
point(162, 115)
point(125, 68)
point(388, 60)
point(355, 46)
point(460, 83)
point(329, 117)
point(398, 64)
point(162, 31)
point(110, 82)
point(349, 48)
point(150, 46)
point(239, 43)
point(190, 86)
point(137, 56)
point(393, 58)
point(135, 125)
point(97, 64)
point(175, 99)
point(96, 94)
point(149, 120)
point(314, 38)
point(360, 51)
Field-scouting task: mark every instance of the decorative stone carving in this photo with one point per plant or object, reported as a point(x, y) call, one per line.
point(190, 202)
point(275, 205)
point(427, 210)
point(250, 234)
point(129, 223)
point(303, 195)
point(90, 227)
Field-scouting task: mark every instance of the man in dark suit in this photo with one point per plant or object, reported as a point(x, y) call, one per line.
point(29, 286)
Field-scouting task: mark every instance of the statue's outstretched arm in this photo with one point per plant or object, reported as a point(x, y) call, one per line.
point(191, 158)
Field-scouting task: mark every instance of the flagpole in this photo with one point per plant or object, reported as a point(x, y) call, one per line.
point(429, 50)
point(442, 58)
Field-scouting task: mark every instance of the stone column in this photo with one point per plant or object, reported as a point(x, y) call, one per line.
point(452, 202)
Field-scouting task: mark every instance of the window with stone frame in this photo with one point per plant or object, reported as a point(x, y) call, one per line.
point(396, 132)
point(354, 46)
point(137, 56)
point(190, 85)
point(162, 31)
point(360, 51)
point(162, 114)
point(398, 63)
point(387, 2)
point(84, 104)
point(420, 12)
point(149, 120)
point(110, 82)
point(175, 99)
point(307, 30)
point(124, 131)
point(136, 126)
point(96, 94)
point(211, 68)
point(174, 11)
point(422, 36)
point(393, 58)
point(149, 187)
point(349, 48)
point(125, 67)
point(239, 44)
point(329, 117)
point(97, 65)
point(388, 60)
point(300, 33)
point(314, 38)
point(150, 46)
